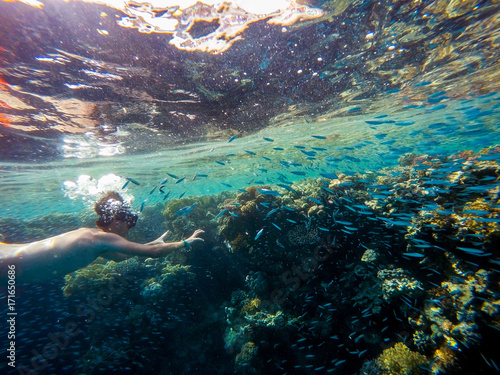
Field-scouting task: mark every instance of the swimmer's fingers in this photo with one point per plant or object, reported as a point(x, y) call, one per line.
point(197, 232)
point(159, 239)
point(162, 237)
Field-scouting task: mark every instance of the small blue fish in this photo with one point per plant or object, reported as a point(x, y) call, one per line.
point(423, 83)
point(126, 184)
point(221, 213)
point(250, 152)
point(286, 187)
point(404, 123)
point(393, 91)
point(308, 153)
point(258, 234)
point(184, 210)
point(437, 107)
point(220, 162)
point(318, 136)
point(272, 212)
point(344, 222)
point(328, 190)
point(268, 192)
point(276, 226)
point(232, 138)
point(172, 175)
point(278, 148)
point(233, 214)
point(180, 180)
point(414, 255)
point(317, 201)
point(292, 221)
point(226, 185)
point(268, 139)
point(330, 176)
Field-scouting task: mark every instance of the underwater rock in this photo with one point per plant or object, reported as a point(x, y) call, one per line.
point(398, 282)
point(369, 257)
point(246, 354)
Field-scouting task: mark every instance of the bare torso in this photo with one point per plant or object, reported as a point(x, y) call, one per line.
point(68, 252)
point(52, 257)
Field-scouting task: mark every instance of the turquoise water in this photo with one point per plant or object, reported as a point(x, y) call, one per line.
point(341, 157)
point(352, 143)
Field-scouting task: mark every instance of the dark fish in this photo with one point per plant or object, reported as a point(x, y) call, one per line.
point(318, 136)
point(308, 153)
point(232, 138)
point(250, 152)
point(268, 139)
point(135, 182)
point(404, 123)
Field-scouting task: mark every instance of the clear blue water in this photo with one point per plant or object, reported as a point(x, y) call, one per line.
point(91, 100)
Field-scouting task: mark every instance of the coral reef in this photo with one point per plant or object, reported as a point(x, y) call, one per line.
point(400, 360)
point(398, 282)
point(395, 273)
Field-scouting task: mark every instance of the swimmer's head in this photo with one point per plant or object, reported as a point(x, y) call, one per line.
point(112, 207)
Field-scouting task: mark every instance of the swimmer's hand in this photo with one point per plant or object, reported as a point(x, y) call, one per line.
point(159, 240)
point(194, 237)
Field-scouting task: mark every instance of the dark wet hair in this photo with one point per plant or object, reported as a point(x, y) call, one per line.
point(112, 207)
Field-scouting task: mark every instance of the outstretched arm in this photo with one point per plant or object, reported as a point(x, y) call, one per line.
point(117, 248)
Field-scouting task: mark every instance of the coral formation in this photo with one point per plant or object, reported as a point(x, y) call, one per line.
point(400, 360)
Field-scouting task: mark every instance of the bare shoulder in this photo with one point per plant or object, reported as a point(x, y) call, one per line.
point(82, 236)
point(96, 237)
